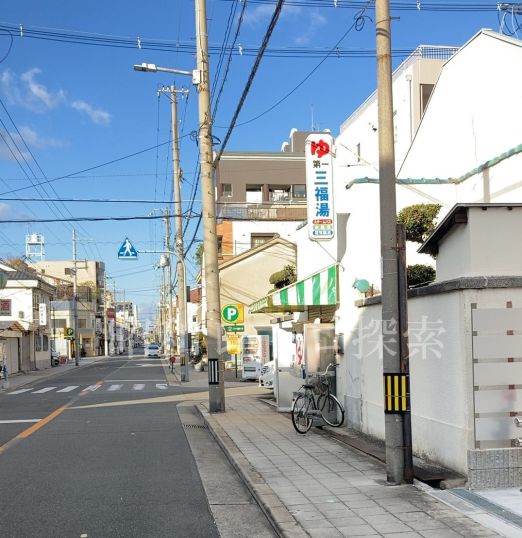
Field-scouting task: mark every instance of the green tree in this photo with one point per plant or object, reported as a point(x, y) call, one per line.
point(419, 221)
point(285, 277)
point(420, 274)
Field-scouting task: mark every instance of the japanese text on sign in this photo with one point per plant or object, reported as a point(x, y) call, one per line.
point(319, 183)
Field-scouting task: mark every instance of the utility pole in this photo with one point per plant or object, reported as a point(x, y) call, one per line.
point(208, 202)
point(105, 319)
point(75, 302)
point(169, 282)
point(180, 264)
point(390, 292)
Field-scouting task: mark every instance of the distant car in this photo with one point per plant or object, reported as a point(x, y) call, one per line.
point(267, 375)
point(152, 350)
point(55, 358)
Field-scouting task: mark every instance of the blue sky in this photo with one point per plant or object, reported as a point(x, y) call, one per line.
point(78, 106)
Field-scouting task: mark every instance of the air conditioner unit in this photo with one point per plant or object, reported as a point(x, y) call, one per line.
point(21, 314)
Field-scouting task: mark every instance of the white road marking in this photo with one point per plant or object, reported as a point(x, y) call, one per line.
point(115, 387)
point(131, 380)
point(42, 391)
point(69, 388)
point(92, 388)
point(161, 386)
point(138, 386)
point(20, 391)
point(20, 421)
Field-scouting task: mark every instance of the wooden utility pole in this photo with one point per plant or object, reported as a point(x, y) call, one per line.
point(208, 202)
point(390, 297)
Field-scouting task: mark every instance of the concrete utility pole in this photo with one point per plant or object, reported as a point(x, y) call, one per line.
point(75, 302)
point(169, 282)
point(179, 250)
point(208, 201)
point(390, 293)
point(105, 319)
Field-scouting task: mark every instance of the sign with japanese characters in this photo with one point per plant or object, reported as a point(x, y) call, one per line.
point(42, 314)
point(5, 307)
point(319, 186)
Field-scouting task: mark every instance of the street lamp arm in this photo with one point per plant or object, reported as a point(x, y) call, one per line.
point(153, 68)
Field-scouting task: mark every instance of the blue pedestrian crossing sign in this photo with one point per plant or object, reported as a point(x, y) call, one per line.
point(127, 251)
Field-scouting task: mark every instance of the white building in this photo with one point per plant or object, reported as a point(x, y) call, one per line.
point(25, 313)
point(465, 148)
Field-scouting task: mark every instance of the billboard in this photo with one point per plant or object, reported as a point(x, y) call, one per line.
point(319, 186)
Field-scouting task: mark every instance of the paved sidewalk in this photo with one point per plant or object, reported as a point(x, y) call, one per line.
point(313, 485)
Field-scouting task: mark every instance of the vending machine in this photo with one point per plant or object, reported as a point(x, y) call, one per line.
point(255, 352)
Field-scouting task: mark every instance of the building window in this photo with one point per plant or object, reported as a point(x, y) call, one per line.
point(254, 194)
point(37, 342)
point(220, 246)
point(45, 345)
point(299, 192)
point(226, 190)
point(259, 239)
point(359, 152)
point(194, 319)
point(425, 94)
point(82, 323)
point(59, 323)
point(279, 193)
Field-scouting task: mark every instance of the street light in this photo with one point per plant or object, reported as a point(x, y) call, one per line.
point(153, 68)
point(200, 77)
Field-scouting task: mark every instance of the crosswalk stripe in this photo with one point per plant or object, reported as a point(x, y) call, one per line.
point(91, 388)
point(115, 387)
point(68, 389)
point(138, 386)
point(20, 391)
point(42, 391)
point(161, 386)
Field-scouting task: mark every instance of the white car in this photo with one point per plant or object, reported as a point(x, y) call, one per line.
point(152, 350)
point(267, 375)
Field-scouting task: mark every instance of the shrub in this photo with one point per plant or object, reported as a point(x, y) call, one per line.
point(420, 274)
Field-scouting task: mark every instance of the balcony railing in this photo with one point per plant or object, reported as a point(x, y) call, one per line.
point(274, 211)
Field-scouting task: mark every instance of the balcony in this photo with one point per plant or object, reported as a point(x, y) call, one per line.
point(269, 211)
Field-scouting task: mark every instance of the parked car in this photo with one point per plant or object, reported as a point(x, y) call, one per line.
point(267, 375)
point(152, 350)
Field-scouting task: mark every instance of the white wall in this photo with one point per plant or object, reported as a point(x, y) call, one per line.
point(242, 232)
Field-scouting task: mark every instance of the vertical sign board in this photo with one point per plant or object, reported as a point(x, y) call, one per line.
point(5, 307)
point(319, 186)
point(42, 314)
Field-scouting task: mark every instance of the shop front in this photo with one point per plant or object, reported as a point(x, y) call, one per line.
point(304, 334)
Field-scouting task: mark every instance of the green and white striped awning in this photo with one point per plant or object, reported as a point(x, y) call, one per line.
point(320, 289)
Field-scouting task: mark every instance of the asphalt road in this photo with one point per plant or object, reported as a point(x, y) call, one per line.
point(121, 471)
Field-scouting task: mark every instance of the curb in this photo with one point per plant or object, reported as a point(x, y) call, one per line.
point(277, 513)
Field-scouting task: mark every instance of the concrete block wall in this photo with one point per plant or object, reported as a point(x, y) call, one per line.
point(494, 468)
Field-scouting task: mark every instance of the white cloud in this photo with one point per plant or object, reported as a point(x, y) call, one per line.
point(315, 22)
point(13, 147)
point(26, 91)
point(37, 94)
point(101, 117)
point(264, 12)
point(33, 139)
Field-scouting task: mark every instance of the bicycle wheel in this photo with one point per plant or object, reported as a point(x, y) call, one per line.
point(300, 419)
point(331, 409)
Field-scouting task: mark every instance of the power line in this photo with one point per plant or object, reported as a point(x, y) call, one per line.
point(262, 48)
point(84, 219)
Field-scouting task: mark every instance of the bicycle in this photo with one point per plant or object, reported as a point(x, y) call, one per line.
point(306, 406)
